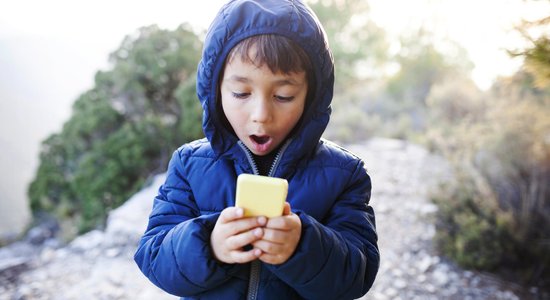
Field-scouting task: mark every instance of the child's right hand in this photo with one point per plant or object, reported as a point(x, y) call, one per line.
point(232, 232)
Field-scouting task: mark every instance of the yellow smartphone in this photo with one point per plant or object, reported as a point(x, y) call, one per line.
point(261, 195)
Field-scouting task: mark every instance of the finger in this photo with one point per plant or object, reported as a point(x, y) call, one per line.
point(245, 224)
point(230, 214)
point(286, 209)
point(242, 257)
point(280, 223)
point(268, 247)
point(287, 222)
point(240, 240)
point(274, 236)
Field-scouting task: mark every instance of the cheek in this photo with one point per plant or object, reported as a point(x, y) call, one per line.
point(238, 119)
point(298, 110)
point(293, 115)
point(232, 115)
point(297, 113)
point(230, 111)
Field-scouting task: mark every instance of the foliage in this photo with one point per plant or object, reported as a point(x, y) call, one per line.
point(360, 50)
point(357, 43)
point(496, 215)
point(421, 65)
point(397, 107)
point(468, 229)
point(537, 57)
point(123, 129)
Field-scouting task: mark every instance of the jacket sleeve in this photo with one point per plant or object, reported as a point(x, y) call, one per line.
point(174, 253)
point(338, 258)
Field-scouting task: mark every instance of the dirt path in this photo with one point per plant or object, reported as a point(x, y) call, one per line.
point(402, 174)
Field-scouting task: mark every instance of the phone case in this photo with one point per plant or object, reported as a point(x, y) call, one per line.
point(261, 195)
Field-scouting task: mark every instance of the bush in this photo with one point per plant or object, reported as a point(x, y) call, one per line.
point(496, 215)
point(121, 131)
point(470, 227)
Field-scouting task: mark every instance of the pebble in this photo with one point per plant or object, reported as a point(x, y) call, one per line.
point(424, 264)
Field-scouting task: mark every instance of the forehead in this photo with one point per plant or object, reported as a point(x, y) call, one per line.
point(279, 53)
point(245, 72)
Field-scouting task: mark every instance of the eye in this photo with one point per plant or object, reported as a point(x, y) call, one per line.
point(240, 95)
point(284, 99)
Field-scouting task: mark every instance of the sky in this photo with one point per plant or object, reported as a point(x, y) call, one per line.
point(50, 51)
point(483, 27)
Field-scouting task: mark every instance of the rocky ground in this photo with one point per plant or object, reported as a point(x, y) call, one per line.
point(402, 175)
point(99, 265)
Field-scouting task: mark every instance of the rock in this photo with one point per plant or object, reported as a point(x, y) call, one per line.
point(131, 218)
point(48, 254)
point(46, 230)
point(17, 249)
point(12, 263)
point(427, 208)
point(424, 264)
point(430, 288)
point(440, 276)
point(391, 292)
point(112, 252)
point(89, 241)
point(400, 284)
point(11, 268)
point(421, 278)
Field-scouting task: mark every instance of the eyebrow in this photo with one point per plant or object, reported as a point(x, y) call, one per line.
point(279, 82)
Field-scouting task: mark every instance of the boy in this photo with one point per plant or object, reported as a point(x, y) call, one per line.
point(265, 82)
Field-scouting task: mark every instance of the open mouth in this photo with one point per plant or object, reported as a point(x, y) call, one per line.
point(260, 140)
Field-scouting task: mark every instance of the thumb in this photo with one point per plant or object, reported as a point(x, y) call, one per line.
point(231, 213)
point(286, 209)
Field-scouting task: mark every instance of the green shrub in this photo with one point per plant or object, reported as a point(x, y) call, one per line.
point(470, 228)
point(122, 130)
point(496, 214)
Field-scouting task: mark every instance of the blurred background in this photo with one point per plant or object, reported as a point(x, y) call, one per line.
point(95, 96)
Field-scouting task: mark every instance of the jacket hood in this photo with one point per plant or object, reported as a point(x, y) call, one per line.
point(240, 19)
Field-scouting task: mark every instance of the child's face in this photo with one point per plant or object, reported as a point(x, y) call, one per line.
point(262, 107)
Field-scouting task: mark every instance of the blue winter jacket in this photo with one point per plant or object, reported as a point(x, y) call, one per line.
point(329, 189)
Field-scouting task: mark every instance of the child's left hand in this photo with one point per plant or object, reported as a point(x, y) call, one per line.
point(281, 237)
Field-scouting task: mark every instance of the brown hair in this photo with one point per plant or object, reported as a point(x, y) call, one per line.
point(279, 53)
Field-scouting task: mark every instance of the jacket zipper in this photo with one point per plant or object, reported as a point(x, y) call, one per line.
point(249, 158)
point(255, 266)
point(254, 280)
point(278, 158)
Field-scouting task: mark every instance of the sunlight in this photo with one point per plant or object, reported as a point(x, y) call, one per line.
point(484, 28)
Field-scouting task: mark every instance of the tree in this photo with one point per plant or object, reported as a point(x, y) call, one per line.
point(360, 51)
point(422, 64)
point(358, 44)
point(537, 56)
point(123, 129)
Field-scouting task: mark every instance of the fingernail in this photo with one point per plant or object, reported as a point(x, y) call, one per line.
point(262, 221)
point(239, 212)
point(258, 232)
point(257, 252)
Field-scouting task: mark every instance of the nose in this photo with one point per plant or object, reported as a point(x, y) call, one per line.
point(261, 111)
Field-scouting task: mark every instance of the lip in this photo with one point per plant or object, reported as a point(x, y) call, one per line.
point(260, 149)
